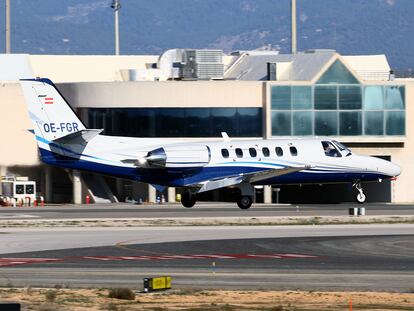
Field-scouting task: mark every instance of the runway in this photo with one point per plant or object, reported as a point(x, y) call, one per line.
point(122, 210)
point(334, 257)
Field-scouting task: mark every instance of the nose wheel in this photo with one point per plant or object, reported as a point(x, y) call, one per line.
point(360, 196)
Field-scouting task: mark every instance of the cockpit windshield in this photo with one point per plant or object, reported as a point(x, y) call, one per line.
point(330, 149)
point(342, 147)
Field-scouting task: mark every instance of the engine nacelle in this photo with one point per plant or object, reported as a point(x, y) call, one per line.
point(176, 156)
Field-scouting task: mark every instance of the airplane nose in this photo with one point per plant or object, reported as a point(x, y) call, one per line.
point(392, 169)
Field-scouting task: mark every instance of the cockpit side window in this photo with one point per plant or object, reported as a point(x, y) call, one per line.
point(342, 147)
point(330, 149)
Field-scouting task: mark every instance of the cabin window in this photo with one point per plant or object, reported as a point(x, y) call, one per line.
point(239, 153)
point(293, 151)
point(253, 152)
point(330, 149)
point(225, 153)
point(279, 151)
point(266, 151)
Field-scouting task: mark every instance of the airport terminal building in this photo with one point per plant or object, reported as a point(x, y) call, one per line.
point(197, 94)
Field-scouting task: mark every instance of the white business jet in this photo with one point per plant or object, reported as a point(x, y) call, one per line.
point(64, 141)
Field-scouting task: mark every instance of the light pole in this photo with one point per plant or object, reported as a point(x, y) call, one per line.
point(116, 5)
point(293, 39)
point(8, 49)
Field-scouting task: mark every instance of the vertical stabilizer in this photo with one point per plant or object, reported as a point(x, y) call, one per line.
point(51, 115)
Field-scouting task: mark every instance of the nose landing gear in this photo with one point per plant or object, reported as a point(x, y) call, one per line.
point(360, 196)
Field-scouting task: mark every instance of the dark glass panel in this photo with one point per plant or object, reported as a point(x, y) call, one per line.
point(395, 122)
point(325, 97)
point(326, 123)
point(337, 74)
point(266, 151)
point(281, 97)
point(350, 123)
point(350, 97)
point(281, 123)
point(374, 123)
point(302, 123)
point(197, 122)
point(224, 118)
point(293, 151)
point(301, 97)
point(239, 153)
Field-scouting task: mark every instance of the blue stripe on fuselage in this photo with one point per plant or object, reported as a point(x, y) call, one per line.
point(182, 177)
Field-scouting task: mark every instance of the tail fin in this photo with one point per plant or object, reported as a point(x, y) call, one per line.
point(51, 115)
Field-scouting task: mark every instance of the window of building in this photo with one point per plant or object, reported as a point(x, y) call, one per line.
point(350, 123)
point(302, 123)
point(395, 122)
point(281, 123)
point(374, 123)
point(293, 151)
point(177, 122)
point(330, 149)
point(301, 97)
point(266, 151)
point(279, 151)
point(225, 153)
point(373, 97)
point(239, 153)
point(394, 97)
point(350, 97)
point(326, 97)
point(337, 74)
point(281, 97)
point(326, 123)
point(253, 152)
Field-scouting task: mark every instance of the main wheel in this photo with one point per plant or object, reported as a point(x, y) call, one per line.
point(244, 201)
point(188, 200)
point(360, 198)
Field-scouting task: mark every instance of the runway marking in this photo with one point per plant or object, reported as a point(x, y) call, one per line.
point(14, 216)
point(201, 256)
point(4, 262)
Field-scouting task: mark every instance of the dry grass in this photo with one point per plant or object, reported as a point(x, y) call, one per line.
point(97, 299)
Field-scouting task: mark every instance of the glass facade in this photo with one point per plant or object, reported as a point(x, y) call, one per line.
point(341, 110)
point(177, 122)
point(337, 105)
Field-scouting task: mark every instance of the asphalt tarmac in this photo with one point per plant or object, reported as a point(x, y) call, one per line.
point(335, 257)
point(122, 210)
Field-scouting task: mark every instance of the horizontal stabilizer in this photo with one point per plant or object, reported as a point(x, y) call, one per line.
point(81, 137)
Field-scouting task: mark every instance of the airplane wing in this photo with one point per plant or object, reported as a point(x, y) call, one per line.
point(248, 177)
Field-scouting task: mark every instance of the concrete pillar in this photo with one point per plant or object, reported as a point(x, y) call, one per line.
point(171, 195)
point(152, 194)
point(267, 194)
point(48, 184)
point(3, 172)
point(77, 187)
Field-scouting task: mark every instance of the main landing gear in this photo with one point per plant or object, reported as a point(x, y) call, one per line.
point(188, 199)
point(360, 196)
point(244, 199)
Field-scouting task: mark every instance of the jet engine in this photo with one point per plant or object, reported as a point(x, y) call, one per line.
point(176, 156)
